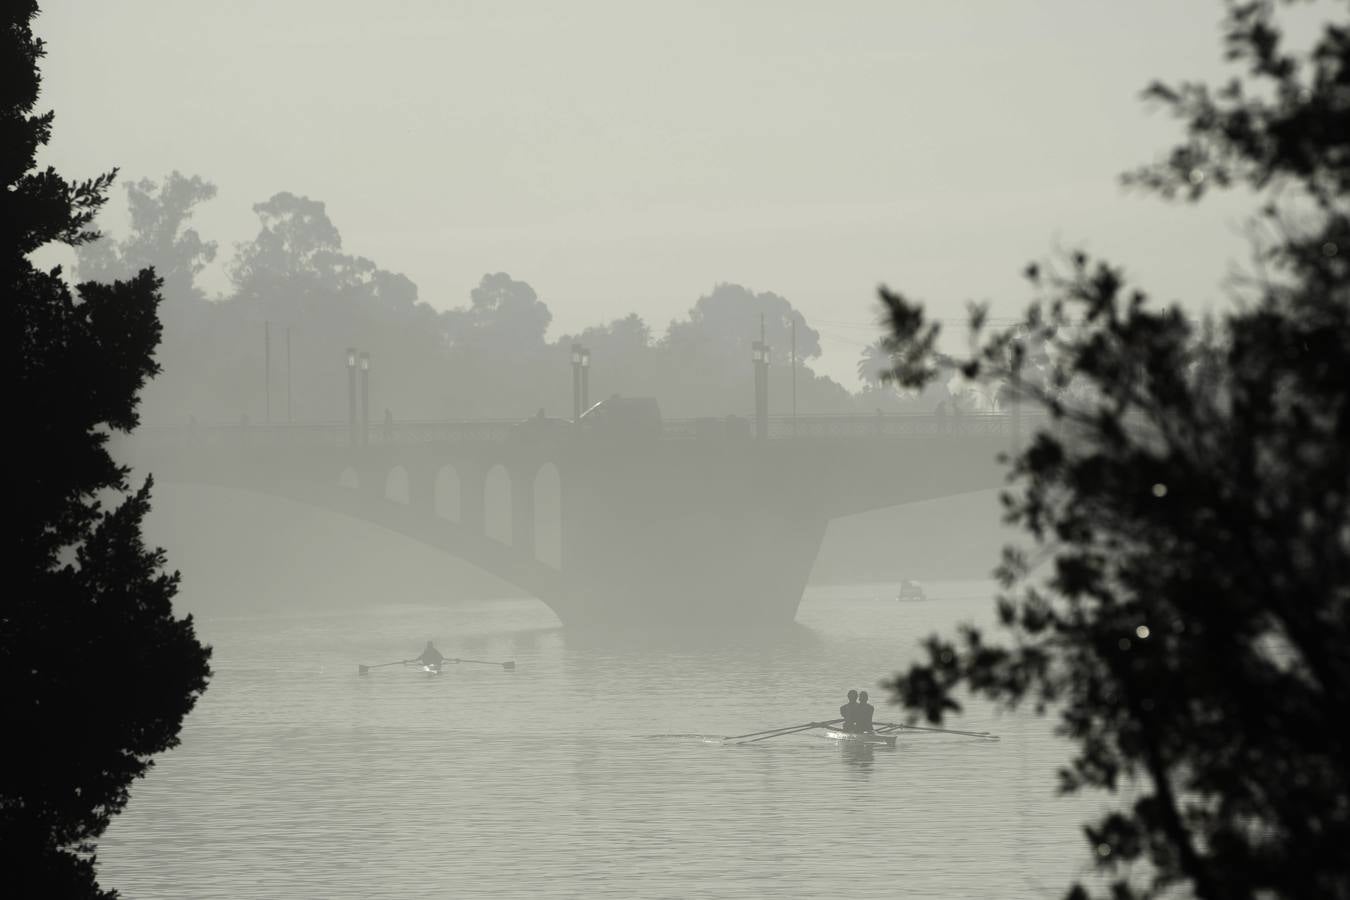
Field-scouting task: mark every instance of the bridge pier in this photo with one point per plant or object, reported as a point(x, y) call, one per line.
point(748, 576)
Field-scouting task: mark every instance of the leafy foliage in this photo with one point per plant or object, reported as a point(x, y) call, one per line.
point(161, 237)
point(1192, 500)
point(96, 674)
point(319, 299)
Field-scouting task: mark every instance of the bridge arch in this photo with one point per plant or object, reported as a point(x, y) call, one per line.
point(448, 503)
point(497, 522)
point(548, 516)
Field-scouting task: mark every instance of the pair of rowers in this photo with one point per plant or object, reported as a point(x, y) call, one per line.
point(857, 713)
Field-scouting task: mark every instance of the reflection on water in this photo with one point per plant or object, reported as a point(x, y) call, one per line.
point(593, 769)
point(861, 755)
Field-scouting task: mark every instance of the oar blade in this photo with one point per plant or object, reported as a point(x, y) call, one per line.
point(510, 664)
point(362, 670)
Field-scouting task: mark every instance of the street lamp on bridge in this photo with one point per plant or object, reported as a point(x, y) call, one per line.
point(585, 378)
point(759, 356)
point(581, 380)
point(365, 398)
point(351, 393)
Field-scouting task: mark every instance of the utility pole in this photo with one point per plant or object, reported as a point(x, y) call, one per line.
point(764, 399)
point(267, 371)
point(290, 413)
point(794, 376)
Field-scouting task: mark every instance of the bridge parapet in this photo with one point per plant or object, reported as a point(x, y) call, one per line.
point(900, 426)
point(480, 431)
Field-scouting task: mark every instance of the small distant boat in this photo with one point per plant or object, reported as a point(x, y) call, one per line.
point(869, 737)
point(911, 590)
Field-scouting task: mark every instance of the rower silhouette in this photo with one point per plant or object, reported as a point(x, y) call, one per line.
point(431, 656)
point(849, 713)
point(864, 714)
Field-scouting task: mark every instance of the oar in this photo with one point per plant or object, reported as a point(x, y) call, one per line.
point(896, 726)
point(736, 737)
point(509, 664)
point(362, 670)
point(806, 727)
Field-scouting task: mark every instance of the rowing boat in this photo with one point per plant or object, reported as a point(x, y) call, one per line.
point(870, 737)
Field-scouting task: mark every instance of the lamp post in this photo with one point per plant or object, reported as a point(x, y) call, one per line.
point(759, 356)
point(576, 381)
point(365, 399)
point(351, 394)
point(585, 379)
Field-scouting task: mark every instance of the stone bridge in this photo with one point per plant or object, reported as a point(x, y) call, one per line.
point(700, 525)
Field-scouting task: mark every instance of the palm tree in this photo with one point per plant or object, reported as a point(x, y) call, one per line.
point(874, 363)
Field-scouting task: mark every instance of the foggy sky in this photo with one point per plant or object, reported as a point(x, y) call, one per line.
point(627, 156)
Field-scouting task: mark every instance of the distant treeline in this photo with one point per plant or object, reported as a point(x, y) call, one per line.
point(490, 358)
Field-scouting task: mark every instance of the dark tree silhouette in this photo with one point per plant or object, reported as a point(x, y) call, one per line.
point(873, 363)
point(96, 674)
point(1193, 504)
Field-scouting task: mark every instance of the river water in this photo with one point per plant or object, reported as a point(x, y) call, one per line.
point(590, 770)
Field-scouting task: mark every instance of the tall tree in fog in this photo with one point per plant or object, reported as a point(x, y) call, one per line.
point(96, 673)
point(161, 238)
point(298, 253)
point(505, 317)
point(723, 324)
point(295, 274)
point(625, 360)
point(705, 357)
point(1192, 632)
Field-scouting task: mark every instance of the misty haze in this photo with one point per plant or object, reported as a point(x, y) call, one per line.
point(678, 450)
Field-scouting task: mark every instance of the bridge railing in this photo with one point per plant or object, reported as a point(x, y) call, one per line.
point(894, 426)
point(328, 434)
point(847, 425)
point(818, 427)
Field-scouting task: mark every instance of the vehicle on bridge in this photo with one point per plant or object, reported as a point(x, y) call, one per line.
point(632, 418)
